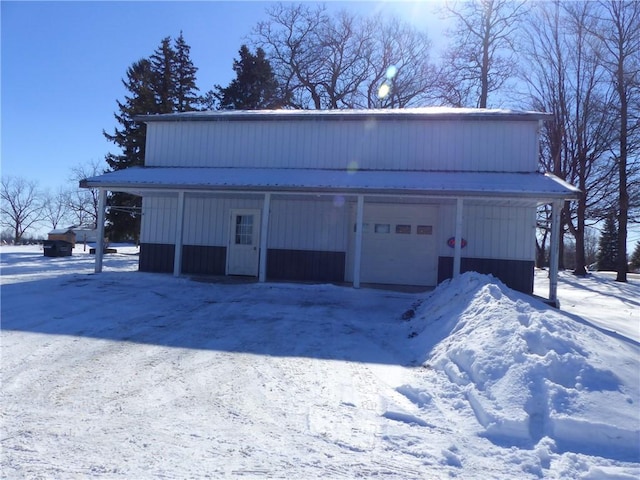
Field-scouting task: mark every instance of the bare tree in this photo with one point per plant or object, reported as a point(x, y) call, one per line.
point(589, 129)
point(343, 65)
point(54, 207)
point(21, 205)
point(290, 39)
point(480, 58)
point(618, 29)
point(543, 71)
point(345, 61)
point(400, 71)
point(565, 78)
point(82, 202)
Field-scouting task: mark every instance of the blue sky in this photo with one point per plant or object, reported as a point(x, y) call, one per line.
point(62, 65)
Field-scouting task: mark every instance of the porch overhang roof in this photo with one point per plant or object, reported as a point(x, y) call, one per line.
point(146, 180)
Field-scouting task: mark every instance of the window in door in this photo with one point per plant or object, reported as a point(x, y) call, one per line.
point(244, 229)
point(425, 229)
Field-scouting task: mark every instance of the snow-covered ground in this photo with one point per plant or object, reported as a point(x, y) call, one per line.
point(134, 375)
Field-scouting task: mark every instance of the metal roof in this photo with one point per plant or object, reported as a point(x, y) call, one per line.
point(61, 231)
point(474, 184)
point(426, 113)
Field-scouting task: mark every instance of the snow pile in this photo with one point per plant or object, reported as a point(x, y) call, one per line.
point(531, 374)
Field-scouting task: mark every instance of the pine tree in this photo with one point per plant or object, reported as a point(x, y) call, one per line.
point(635, 257)
point(162, 64)
point(175, 76)
point(608, 246)
point(254, 88)
point(131, 136)
point(184, 74)
point(162, 83)
point(123, 216)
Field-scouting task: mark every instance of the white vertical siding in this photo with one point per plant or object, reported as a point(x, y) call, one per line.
point(445, 143)
point(158, 219)
point(300, 224)
point(204, 222)
point(447, 223)
point(206, 219)
point(492, 231)
point(488, 145)
point(296, 224)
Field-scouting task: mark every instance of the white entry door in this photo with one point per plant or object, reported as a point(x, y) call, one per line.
point(243, 253)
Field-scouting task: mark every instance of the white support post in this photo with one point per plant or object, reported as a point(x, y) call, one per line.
point(457, 251)
point(556, 214)
point(177, 256)
point(264, 236)
point(358, 250)
point(102, 200)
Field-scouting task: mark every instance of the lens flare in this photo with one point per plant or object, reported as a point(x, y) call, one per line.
point(384, 90)
point(392, 71)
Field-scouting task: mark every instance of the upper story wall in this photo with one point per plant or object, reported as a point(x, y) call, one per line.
point(494, 143)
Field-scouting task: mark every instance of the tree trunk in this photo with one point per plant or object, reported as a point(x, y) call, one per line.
point(623, 212)
point(541, 260)
point(484, 70)
point(541, 247)
point(561, 251)
point(580, 268)
point(623, 215)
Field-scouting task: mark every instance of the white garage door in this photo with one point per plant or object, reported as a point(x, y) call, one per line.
point(398, 244)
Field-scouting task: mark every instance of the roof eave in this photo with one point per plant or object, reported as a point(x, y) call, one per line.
point(253, 189)
point(345, 115)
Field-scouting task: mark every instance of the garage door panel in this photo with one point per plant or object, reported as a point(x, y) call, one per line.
point(398, 257)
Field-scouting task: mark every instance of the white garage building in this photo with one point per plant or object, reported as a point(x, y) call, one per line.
point(407, 197)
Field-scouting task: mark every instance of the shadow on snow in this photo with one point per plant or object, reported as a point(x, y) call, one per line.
point(320, 321)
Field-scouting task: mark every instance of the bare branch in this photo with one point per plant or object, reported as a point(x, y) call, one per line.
point(21, 205)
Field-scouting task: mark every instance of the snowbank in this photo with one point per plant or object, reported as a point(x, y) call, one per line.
point(532, 375)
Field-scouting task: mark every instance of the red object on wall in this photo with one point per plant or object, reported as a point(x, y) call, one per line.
point(452, 242)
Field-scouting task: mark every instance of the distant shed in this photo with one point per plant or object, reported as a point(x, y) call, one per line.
point(64, 234)
point(86, 235)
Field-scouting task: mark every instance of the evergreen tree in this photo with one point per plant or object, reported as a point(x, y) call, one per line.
point(635, 257)
point(123, 216)
point(130, 137)
point(184, 74)
point(163, 66)
point(162, 83)
point(254, 88)
point(608, 246)
point(174, 76)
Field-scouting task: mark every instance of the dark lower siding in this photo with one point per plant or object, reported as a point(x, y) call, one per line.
point(515, 274)
point(305, 265)
point(156, 257)
point(204, 260)
point(294, 265)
